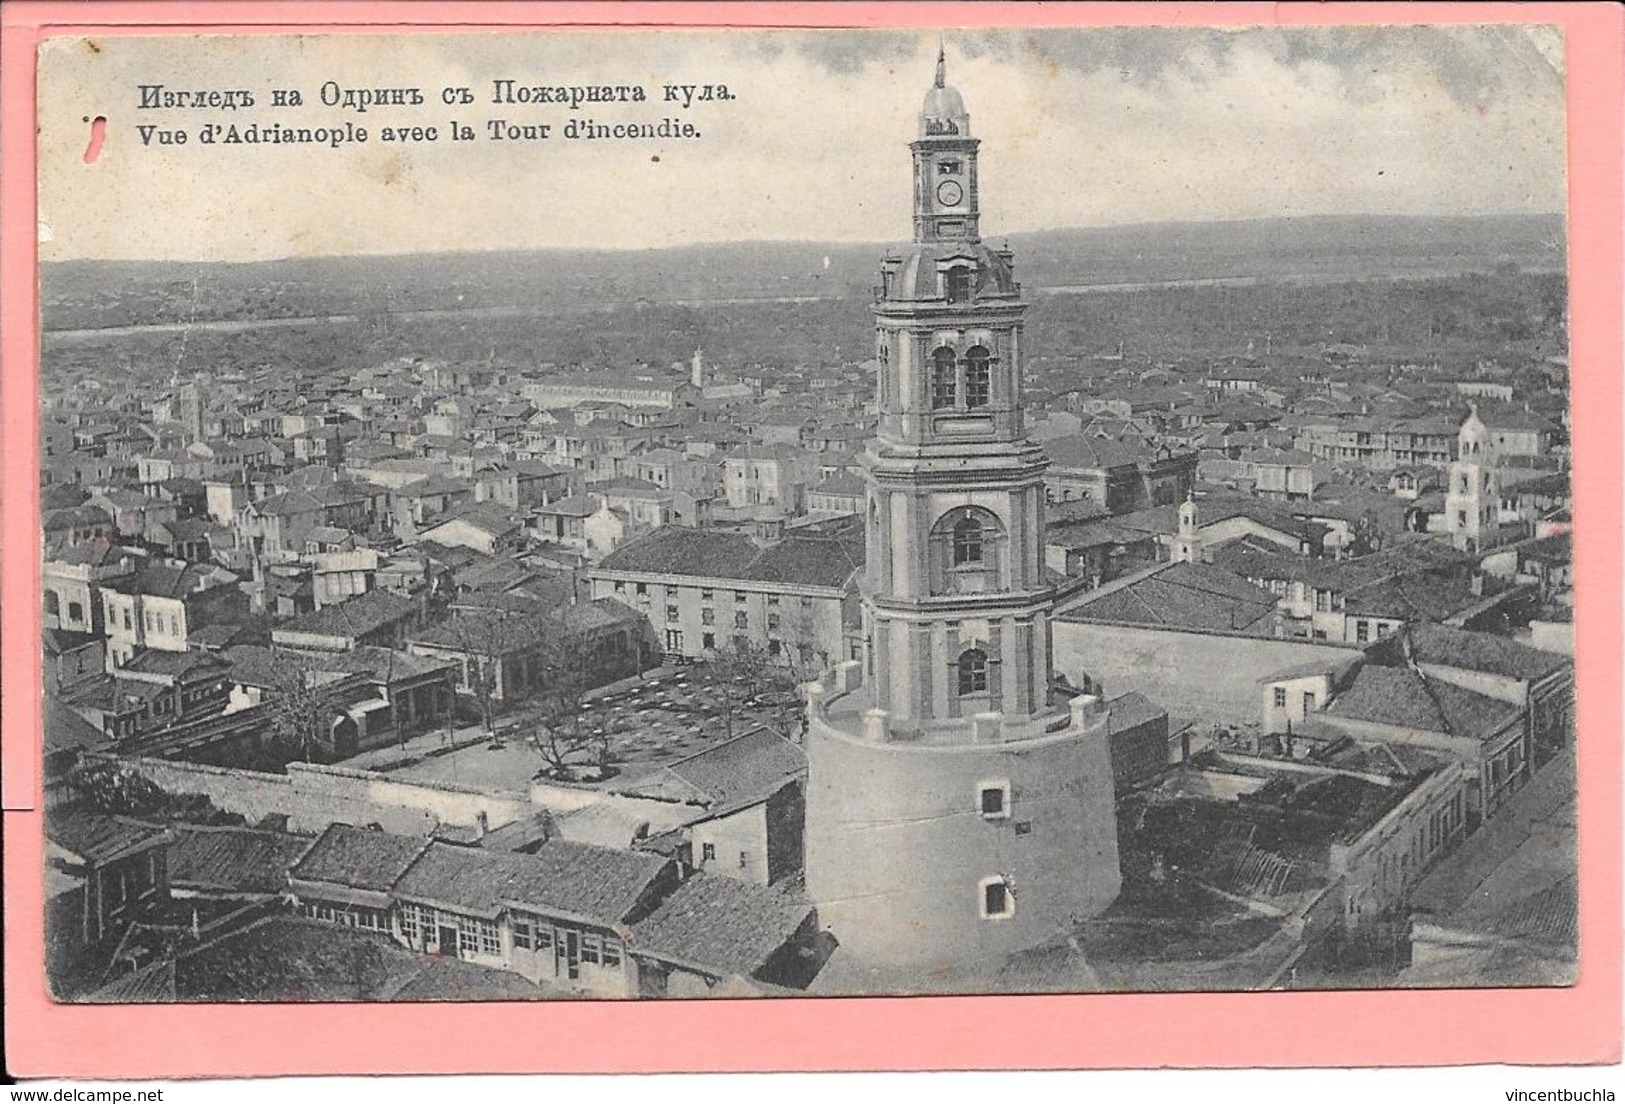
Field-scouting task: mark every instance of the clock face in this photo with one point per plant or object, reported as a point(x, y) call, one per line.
point(949, 193)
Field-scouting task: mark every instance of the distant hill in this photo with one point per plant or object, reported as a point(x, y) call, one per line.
point(91, 294)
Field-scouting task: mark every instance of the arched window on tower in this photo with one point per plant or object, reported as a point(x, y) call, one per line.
point(972, 672)
point(956, 283)
point(944, 379)
point(968, 547)
point(978, 376)
point(967, 552)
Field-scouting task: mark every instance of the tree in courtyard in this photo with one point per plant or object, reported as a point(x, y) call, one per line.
point(572, 733)
point(301, 713)
point(752, 682)
point(487, 641)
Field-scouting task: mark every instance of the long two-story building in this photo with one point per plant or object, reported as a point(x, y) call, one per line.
point(706, 591)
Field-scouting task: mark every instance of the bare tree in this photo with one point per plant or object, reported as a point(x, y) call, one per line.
point(487, 641)
point(301, 712)
point(754, 682)
point(570, 726)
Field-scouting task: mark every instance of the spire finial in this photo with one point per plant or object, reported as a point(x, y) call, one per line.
point(942, 65)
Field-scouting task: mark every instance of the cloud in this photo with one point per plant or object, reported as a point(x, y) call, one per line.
point(1474, 65)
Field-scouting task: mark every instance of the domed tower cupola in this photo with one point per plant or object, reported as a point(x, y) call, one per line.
point(944, 166)
point(943, 115)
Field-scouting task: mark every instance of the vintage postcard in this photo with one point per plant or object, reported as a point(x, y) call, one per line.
point(621, 515)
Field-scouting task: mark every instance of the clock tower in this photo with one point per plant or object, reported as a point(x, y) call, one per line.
point(960, 804)
point(944, 166)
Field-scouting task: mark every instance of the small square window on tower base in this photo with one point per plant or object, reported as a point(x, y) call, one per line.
point(993, 799)
point(996, 901)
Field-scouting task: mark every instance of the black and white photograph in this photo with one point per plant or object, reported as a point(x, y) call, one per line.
point(806, 513)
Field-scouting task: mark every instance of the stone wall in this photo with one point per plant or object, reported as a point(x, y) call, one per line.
point(1208, 677)
point(312, 796)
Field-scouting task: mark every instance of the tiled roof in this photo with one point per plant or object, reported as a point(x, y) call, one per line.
point(435, 485)
point(494, 573)
point(1340, 576)
point(735, 772)
point(482, 630)
point(161, 580)
point(1165, 519)
point(1131, 710)
point(600, 613)
point(65, 728)
point(1478, 651)
point(61, 641)
point(626, 486)
point(1550, 915)
point(1417, 597)
point(1401, 697)
point(714, 554)
point(484, 516)
point(722, 925)
point(807, 561)
point(1553, 485)
point(153, 984)
point(357, 857)
point(1513, 418)
point(1085, 452)
point(1182, 596)
point(451, 979)
point(97, 837)
point(580, 505)
point(288, 504)
point(576, 878)
point(841, 483)
point(187, 528)
point(232, 859)
point(172, 664)
point(354, 617)
point(679, 550)
point(256, 665)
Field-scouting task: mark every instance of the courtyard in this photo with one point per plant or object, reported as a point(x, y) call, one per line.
point(629, 728)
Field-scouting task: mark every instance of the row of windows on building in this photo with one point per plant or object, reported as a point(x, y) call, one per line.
point(422, 926)
point(774, 601)
point(53, 607)
point(152, 622)
point(354, 916)
point(541, 937)
point(708, 616)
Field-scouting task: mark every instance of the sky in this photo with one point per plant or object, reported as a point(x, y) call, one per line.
point(1084, 127)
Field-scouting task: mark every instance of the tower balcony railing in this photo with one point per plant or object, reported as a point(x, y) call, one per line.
point(836, 700)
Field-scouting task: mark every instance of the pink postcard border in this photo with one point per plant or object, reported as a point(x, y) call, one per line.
point(1432, 1027)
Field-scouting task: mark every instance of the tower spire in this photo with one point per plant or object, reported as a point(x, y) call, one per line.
point(942, 65)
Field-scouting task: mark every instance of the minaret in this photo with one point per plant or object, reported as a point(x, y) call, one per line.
point(696, 369)
point(1187, 546)
point(1471, 504)
point(189, 401)
point(959, 808)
